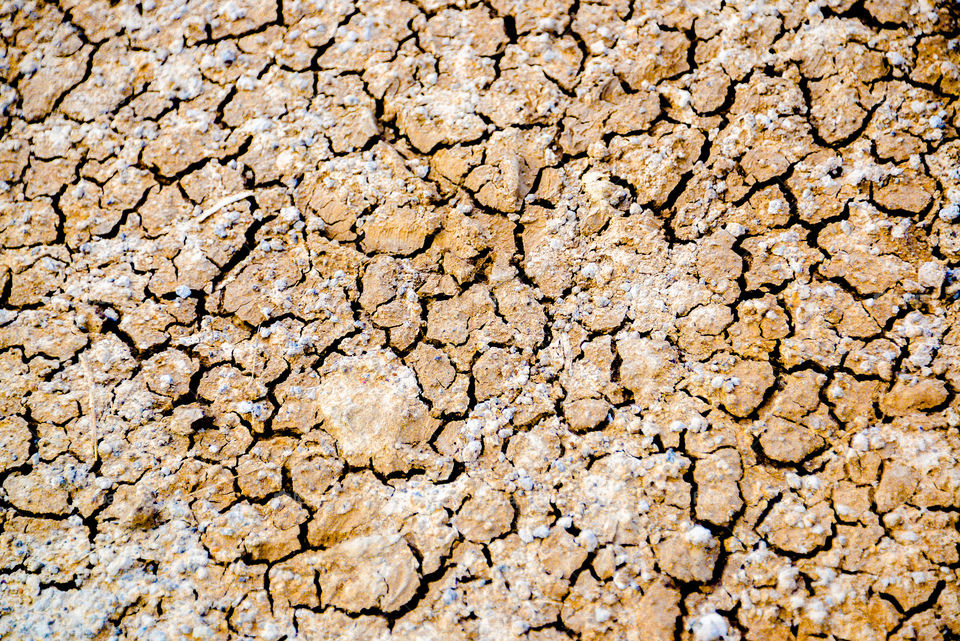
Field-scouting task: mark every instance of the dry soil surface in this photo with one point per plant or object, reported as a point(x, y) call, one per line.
point(495, 320)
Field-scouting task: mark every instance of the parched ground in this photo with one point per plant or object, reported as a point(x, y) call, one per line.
point(494, 320)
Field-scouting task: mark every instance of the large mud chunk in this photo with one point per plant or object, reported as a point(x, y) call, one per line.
point(370, 404)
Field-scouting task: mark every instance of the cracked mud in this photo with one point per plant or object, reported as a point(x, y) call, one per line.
point(430, 319)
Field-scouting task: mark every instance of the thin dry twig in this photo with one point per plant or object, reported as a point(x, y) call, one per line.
point(223, 202)
point(91, 405)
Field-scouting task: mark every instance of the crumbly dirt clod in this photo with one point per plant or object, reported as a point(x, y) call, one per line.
point(432, 319)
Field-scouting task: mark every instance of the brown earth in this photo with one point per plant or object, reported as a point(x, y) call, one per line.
point(424, 319)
